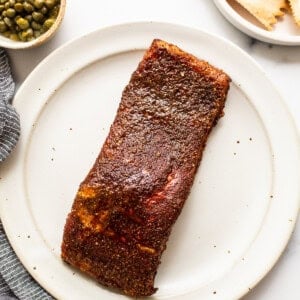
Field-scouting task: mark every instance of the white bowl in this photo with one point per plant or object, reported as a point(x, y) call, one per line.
point(8, 43)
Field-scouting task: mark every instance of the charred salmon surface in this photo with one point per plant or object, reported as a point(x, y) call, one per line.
point(125, 208)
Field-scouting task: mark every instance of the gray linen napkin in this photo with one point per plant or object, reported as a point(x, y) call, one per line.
point(9, 119)
point(15, 282)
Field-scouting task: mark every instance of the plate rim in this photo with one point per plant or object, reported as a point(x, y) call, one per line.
point(165, 25)
point(251, 30)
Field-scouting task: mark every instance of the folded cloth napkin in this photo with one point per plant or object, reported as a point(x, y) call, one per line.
point(15, 282)
point(9, 119)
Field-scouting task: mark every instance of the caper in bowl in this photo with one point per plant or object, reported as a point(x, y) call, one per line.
point(27, 23)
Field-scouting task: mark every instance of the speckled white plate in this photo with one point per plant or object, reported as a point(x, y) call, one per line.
point(245, 198)
point(285, 31)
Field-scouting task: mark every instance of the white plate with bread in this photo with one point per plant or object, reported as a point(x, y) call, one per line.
point(271, 21)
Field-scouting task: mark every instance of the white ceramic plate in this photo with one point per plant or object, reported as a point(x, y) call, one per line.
point(285, 31)
point(244, 201)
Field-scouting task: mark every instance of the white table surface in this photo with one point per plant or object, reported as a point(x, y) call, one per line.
point(282, 65)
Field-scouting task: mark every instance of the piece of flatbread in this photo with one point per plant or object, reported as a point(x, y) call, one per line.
point(295, 6)
point(265, 11)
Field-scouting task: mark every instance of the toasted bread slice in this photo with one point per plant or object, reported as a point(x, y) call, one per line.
point(265, 11)
point(295, 6)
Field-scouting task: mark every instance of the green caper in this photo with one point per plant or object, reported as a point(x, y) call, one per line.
point(23, 39)
point(28, 7)
point(2, 1)
point(10, 12)
point(19, 35)
point(3, 14)
point(50, 3)
point(35, 25)
point(54, 11)
point(8, 22)
point(28, 18)
point(37, 16)
point(1, 7)
point(48, 23)
point(12, 3)
point(3, 26)
point(6, 34)
point(44, 10)
point(14, 37)
point(36, 33)
point(6, 5)
point(18, 7)
point(22, 23)
point(38, 3)
point(23, 36)
point(27, 34)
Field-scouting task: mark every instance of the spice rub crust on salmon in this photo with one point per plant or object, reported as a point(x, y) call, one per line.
point(125, 208)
